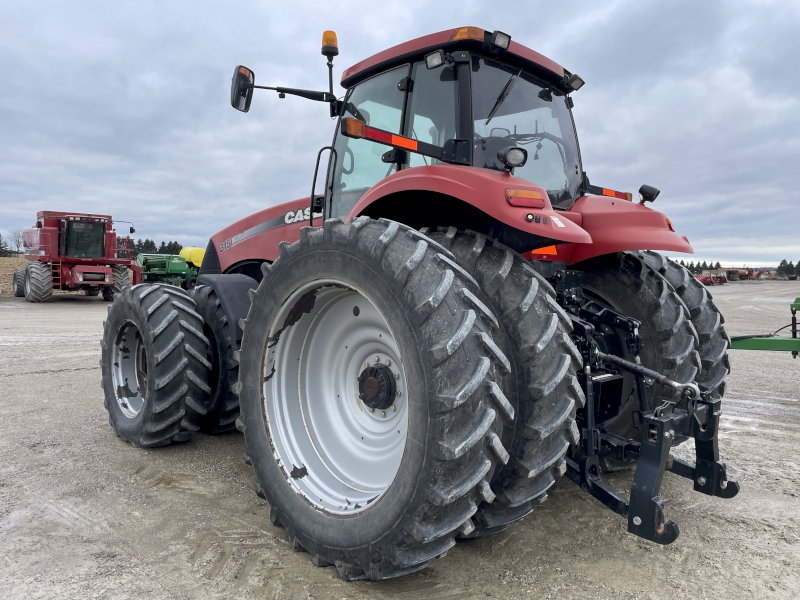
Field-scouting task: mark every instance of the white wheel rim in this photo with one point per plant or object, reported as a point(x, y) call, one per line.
point(335, 453)
point(129, 370)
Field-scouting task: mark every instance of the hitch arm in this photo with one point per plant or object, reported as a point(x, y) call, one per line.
point(709, 473)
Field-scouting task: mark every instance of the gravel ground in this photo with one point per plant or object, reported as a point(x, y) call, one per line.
point(83, 514)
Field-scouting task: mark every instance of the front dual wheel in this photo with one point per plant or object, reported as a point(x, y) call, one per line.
point(366, 369)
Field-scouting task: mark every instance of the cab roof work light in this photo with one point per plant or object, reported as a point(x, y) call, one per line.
point(573, 82)
point(453, 151)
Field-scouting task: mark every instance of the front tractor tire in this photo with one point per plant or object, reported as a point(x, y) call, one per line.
point(19, 282)
point(223, 408)
point(365, 385)
point(38, 282)
point(706, 318)
point(121, 281)
point(154, 366)
point(541, 387)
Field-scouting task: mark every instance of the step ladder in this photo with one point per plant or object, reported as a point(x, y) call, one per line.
point(55, 274)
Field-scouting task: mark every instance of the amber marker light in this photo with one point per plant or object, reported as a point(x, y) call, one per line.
point(525, 198)
point(354, 128)
point(468, 33)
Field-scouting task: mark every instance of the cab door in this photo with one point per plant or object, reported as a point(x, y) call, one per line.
point(357, 164)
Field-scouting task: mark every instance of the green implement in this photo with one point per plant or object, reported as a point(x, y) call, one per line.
point(772, 341)
point(166, 268)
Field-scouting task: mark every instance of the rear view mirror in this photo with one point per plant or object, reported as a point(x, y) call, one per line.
point(242, 88)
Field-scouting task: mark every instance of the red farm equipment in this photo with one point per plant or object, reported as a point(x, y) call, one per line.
point(73, 252)
point(459, 318)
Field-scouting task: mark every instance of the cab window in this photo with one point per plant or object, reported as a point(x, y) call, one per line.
point(379, 103)
point(432, 110)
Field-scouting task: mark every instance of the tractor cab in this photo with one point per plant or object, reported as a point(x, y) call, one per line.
point(467, 108)
point(465, 97)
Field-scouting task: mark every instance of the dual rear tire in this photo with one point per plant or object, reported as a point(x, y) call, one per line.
point(367, 371)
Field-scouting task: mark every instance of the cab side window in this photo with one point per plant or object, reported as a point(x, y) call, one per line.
point(379, 103)
point(432, 110)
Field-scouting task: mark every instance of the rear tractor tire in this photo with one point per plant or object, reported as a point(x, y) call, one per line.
point(154, 366)
point(38, 282)
point(365, 389)
point(19, 282)
point(223, 408)
point(541, 387)
point(121, 281)
point(626, 283)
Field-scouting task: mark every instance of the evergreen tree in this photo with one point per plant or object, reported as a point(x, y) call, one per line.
point(783, 267)
point(718, 266)
point(704, 266)
point(683, 264)
point(4, 249)
point(691, 267)
point(790, 269)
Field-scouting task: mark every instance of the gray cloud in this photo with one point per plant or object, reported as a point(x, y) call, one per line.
point(123, 107)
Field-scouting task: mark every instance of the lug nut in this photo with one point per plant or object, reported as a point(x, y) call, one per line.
point(383, 413)
point(393, 408)
point(397, 375)
point(377, 359)
point(637, 521)
point(388, 363)
point(399, 393)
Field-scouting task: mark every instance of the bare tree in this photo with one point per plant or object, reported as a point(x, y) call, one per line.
point(15, 239)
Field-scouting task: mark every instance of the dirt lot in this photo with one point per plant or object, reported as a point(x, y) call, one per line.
point(83, 514)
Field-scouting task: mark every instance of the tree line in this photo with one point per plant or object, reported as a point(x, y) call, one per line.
point(699, 267)
point(787, 268)
point(148, 246)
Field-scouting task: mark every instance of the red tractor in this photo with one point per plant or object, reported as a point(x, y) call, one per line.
point(73, 252)
point(459, 318)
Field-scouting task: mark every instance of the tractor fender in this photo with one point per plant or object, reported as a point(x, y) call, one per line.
point(616, 225)
point(484, 189)
point(232, 293)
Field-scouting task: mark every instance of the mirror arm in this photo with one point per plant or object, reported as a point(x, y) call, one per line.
point(309, 94)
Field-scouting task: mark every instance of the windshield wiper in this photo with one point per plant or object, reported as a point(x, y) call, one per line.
point(503, 95)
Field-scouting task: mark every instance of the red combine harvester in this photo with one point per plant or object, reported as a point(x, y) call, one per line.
point(417, 353)
point(73, 252)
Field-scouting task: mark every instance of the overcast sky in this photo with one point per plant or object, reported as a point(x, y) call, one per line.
point(123, 107)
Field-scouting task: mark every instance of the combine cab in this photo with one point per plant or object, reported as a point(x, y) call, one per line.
point(418, 351)
point(73, 252)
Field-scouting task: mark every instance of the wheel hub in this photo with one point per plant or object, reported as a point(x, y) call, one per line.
point(376, 387)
